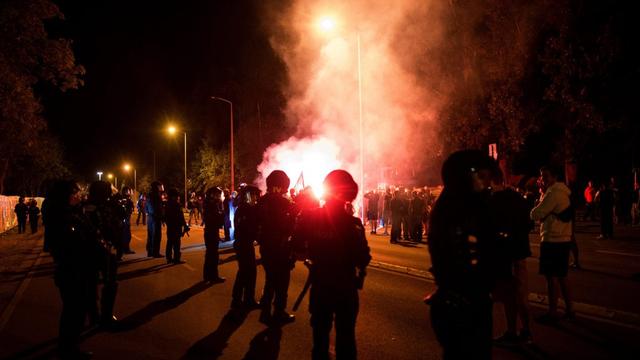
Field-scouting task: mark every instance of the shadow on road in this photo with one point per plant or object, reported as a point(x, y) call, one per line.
point(158, 307)
point(212, 345)
point(265, 345)
point(142, 272)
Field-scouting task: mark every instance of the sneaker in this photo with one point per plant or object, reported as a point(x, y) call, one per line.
point(508, 339)
point(576, 266)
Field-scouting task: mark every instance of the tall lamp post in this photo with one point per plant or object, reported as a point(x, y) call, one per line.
point(110, 177)
point(233, 182)
point(327, 24)
point(172, 130)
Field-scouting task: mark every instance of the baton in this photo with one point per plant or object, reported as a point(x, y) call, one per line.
point(305, 288)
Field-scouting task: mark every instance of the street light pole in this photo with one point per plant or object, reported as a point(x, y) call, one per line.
point(185, 169)
point(361, 131)
point(233, 182)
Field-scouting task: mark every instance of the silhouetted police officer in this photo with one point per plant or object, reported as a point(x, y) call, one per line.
point(246, 232)
point(21, 210)
point(176, 226)
point(73, 250)
point(106, 216)
point(338, 254)
point(155, 216)
point(126, 209)
point(276, 216)
point(460, 243)
point(213, 218)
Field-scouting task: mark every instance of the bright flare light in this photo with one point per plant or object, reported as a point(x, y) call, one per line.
point(126, 167)
point(326, 24)
point(171, 129)
point(312, 159)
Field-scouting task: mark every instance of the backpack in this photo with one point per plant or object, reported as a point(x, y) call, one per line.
point(567, 214)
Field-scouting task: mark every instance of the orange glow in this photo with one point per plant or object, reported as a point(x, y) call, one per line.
point(306, 162)
point(326, 24)
point(171, 129)
point(126, 167)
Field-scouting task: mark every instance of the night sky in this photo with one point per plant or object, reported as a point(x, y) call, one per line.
point(148, 63)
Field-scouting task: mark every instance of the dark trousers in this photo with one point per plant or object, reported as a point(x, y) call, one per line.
point(343, 309)
point(126, 237)
point(590, 211)
point(396, 228)
point(227, 230)
point(108, 273)
point(33, 221)
point(144, 218)
point(464, 332)
point(416, 231)
point(276, 286)
point(75, 298)
point(244, 287)
point(174, 240)
point(22, 224)
point(406, 227)
point(211, 255)
point(154, 237)
point(606, 222)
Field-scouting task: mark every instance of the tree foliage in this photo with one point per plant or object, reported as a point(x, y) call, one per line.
point(30, 57)
point(210, 168)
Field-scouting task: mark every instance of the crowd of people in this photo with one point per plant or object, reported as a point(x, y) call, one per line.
point(27, 210)
point(477, 230)
point(88, 232)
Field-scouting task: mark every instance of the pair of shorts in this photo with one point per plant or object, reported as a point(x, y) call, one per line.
point(554, 258)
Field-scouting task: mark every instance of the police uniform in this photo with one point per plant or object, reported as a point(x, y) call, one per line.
point(155, 211)
point(175, 229)
point(337, 248)
point(276, 216)
point(246, 232)
point(213, 218)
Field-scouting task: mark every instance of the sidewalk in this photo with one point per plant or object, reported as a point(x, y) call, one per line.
point(18, 255)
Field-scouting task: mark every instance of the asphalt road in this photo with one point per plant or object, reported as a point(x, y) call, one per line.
point(168, 314)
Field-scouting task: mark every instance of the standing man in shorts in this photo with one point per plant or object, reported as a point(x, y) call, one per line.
point(555, 233)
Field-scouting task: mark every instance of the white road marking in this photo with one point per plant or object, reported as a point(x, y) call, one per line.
point(618, 253)
point(189, 267)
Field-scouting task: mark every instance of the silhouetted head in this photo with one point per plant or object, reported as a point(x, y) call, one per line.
point(63, 193)
point(126, 191)
point(213, 193)
point(339, 185)
point(173, 194)
point(466, 171)
point(278, 182)
point(99, 192)
point(157, 188)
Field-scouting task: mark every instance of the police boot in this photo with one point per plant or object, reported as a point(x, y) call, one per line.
point(108, 320)
point(283, 317)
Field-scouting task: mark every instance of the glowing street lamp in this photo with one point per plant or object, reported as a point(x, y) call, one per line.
point(99, 173)
point(327, 24)
point(110, 176)
point(172, 130)
point(127, 168)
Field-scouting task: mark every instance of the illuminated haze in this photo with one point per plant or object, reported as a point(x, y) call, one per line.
point(322, 93)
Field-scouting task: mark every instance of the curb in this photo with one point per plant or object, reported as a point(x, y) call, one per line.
point(600, 313)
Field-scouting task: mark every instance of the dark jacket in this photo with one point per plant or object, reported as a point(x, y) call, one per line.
point(246, 226)
point(276, 218)
point(21, 210)
point(212, 215)
point(174, 218)
point(335, 243)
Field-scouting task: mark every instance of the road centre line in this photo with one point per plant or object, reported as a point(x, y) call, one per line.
point(617, 253)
